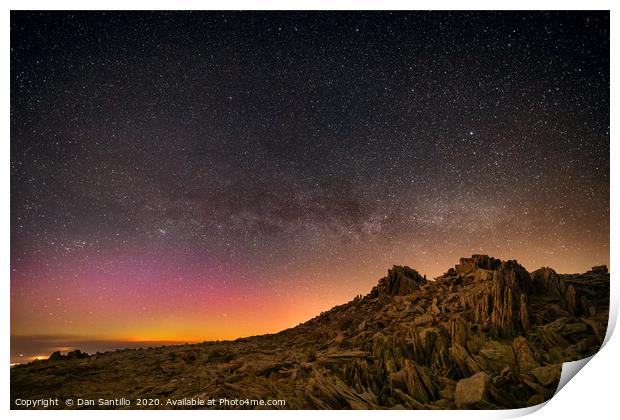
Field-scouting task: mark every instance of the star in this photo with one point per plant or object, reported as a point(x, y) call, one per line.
point(270, 166)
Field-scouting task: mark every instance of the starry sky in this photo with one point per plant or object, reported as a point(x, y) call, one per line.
point(206, 175)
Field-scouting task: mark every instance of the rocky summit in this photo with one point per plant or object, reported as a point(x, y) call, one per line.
point(487, 334)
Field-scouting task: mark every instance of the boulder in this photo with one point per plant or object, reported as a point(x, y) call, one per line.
point(547, 375)
point(464, 362)
point(55, 356)
point(524, 354)
point(497, 356)
point(473, 391)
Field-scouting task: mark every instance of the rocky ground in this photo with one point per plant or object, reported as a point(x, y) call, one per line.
point(486, 334)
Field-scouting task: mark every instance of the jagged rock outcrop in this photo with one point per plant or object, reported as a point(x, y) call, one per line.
point(399, 281)
point(547, 281)
point(571, 294)
point(469, 265)
point(602, 269)
point(74, 354)
point(486, 334)
point(498, 297)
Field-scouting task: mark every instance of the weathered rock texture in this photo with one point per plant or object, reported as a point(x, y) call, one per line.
point(487, 334)
point(399, 281)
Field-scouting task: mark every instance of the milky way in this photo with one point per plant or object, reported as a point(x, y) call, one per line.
point(212, 175)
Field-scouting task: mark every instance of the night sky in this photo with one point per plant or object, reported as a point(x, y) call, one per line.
point(207, 175)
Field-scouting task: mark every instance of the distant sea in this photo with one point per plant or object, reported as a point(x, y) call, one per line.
point(25, 349)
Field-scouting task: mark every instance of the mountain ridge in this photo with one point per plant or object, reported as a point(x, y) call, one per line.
point(485, 334)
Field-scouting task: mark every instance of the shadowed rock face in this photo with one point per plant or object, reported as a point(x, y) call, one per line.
point(499, 297)
point(487, 334)
point(399, 281)
point(468, 265)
